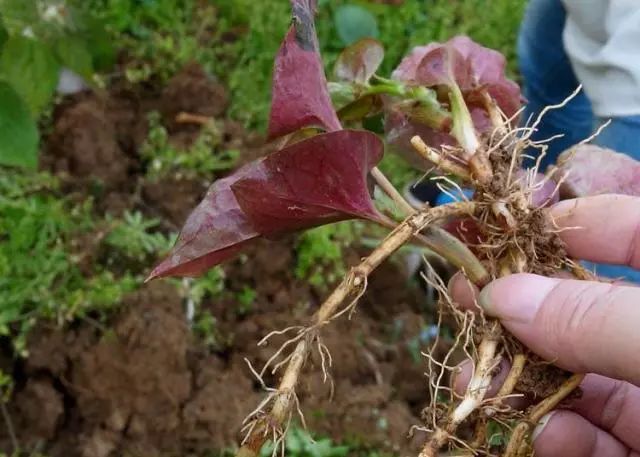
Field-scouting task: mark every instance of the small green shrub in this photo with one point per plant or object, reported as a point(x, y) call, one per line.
point(246, 297)
point(299, 443)
point(203, 158)
point(160, 36)
point(133, 237)
point(320, 252)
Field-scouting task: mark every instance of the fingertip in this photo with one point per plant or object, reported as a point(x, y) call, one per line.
point(585, 226)
point(570, 435)
point(541, 426)
point(463, 291)
point(462, 376)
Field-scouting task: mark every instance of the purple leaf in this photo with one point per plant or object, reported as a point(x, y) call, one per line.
point(313, 182)
point(443, 65)
point(472, 67)
point(359, 61)
point(592, 170)
point(300, 96)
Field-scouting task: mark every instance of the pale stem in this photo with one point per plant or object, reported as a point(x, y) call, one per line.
point(435, 238)
point(444, 164)
point(518, 440)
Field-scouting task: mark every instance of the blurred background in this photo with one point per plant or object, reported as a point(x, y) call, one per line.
point(115, 116)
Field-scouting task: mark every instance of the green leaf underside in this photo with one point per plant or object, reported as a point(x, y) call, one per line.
point(18, 131)
point(32, 69)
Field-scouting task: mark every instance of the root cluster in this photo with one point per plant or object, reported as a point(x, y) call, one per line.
point(509, 234)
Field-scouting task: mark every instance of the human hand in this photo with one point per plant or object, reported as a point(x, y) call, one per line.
point(582, 326)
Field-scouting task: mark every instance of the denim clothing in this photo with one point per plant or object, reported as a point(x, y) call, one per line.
point(548, 80)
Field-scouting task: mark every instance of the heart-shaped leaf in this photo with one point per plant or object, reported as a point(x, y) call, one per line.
point(313, 182)
point(358, 62)
point(300, 96)
point(471, 65)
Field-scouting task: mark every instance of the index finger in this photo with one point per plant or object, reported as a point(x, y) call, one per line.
point(604, 228)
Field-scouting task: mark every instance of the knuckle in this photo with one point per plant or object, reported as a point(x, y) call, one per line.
point(633, 252)
point(614, 405)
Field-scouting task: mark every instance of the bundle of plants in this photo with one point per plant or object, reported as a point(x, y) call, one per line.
point(452, 107)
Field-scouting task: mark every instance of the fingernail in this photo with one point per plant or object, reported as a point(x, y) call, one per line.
point(541, 425)
point(485, 299)
point(516, 297)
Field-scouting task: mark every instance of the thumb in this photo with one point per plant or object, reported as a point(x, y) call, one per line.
point(581, 326)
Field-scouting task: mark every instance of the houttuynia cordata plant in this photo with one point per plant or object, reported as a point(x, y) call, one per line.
point(449, 106)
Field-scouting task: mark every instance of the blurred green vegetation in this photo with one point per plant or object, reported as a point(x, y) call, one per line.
point(236, 40)
point(37, 40)
point(320, 252)
point(203, 158)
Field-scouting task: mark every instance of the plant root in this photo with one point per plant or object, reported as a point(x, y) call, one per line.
point(264, 426)
point(513, 237)
point(476, 391)
point(507, 388)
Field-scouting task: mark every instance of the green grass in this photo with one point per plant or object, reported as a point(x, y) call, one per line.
point(40, 276)
point(203, 158)
point(158, 37)
point(319, 252)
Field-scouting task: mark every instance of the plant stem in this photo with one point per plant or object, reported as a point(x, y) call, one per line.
point(391, 191)
point(517, 445)
point(518, 440)
point(9, 423)
point(517, 367)
point(190, 118)
point(549, 403)
point(444, 164)
point(435, 238)
point(353, 284)
point(494, 112)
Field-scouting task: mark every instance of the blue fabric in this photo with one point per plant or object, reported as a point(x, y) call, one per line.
point(549, 79)
point(622, 135)
point(453, 196)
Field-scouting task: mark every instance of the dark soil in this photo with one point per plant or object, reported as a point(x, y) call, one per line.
point(143, 384)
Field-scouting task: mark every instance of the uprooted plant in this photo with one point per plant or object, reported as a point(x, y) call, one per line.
point(453, 104)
